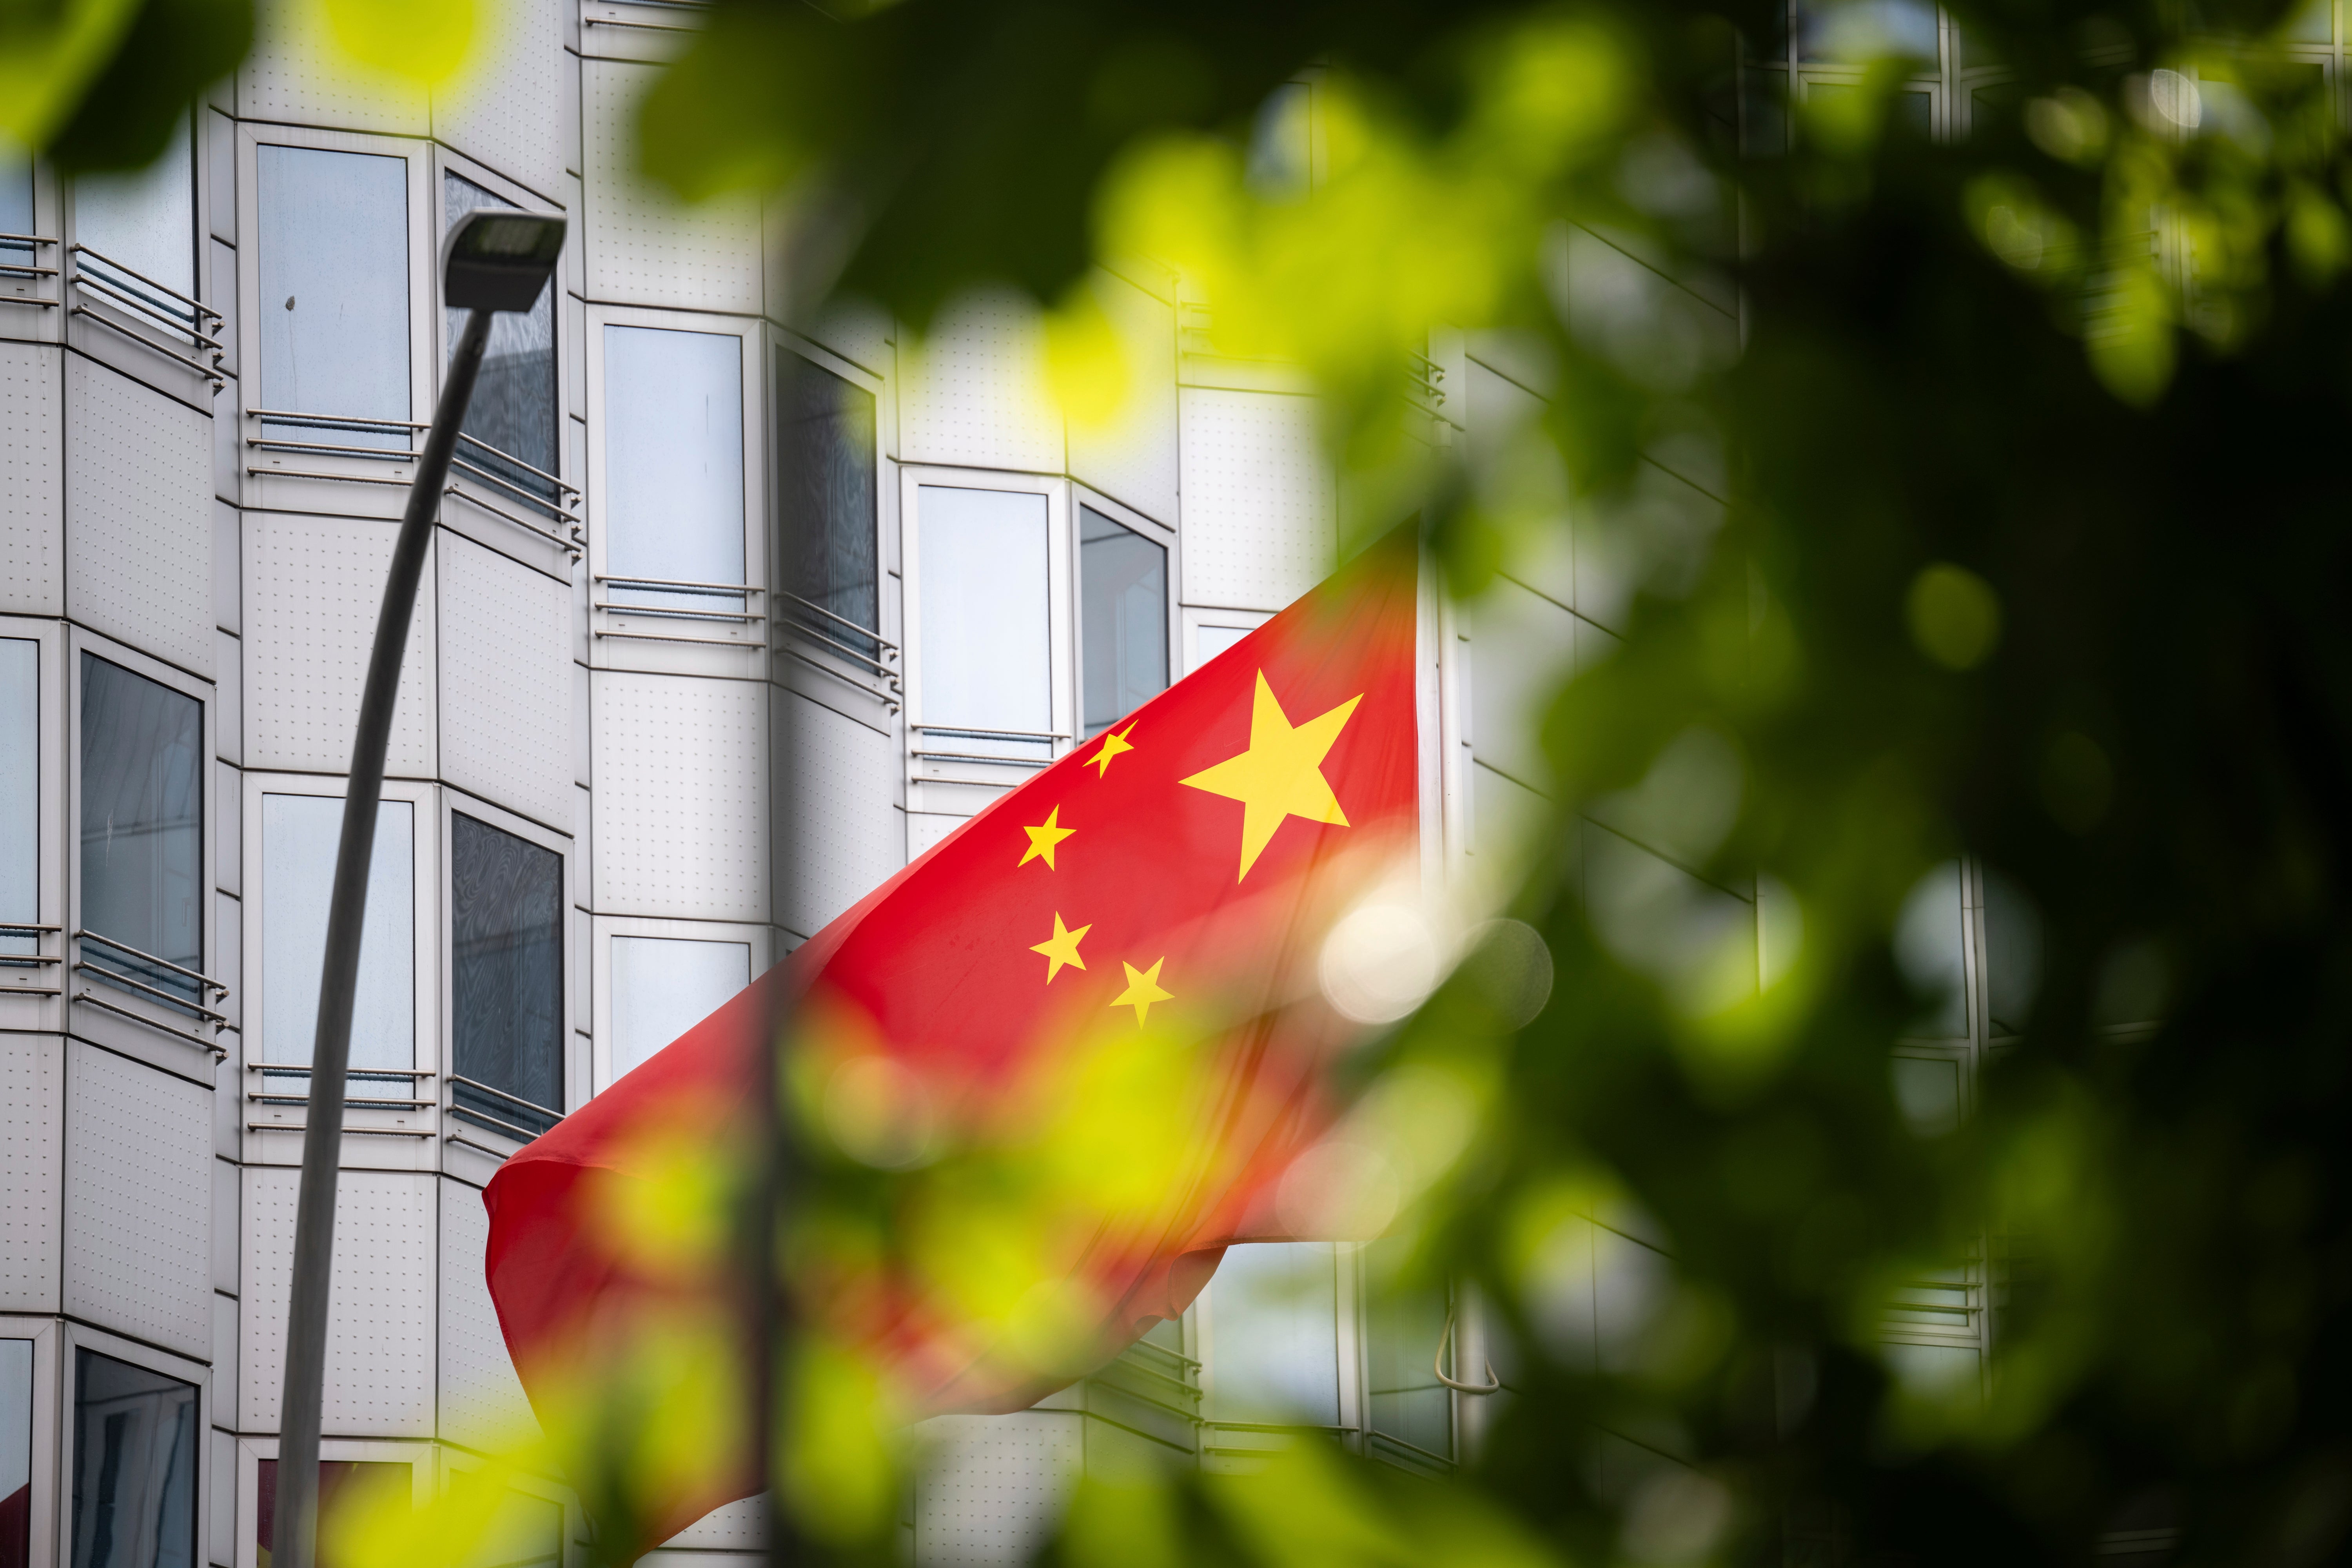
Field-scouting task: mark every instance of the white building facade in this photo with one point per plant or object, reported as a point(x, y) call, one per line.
point(640, 753)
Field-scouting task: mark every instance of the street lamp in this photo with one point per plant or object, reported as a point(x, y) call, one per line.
point(494, 259)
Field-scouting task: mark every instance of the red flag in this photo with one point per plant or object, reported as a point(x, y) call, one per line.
point(1095, 996)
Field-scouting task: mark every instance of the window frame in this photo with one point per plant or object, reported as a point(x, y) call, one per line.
point(603, 929)
point(654, 644)
point(1085, 495)
point(29, 995)
point(266, 1128)
point(356, 487)
point(79, 1336)
point(119, 1019)
point(493, 518)
point(51, 1412)
point(960, 789)
point(251, 1451)
point(574, 1068)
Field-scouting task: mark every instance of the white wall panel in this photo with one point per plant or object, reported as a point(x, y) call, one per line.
point(925, 828)
point(1521, 647)
point(1259, 524)
point(841, 834)
point(312, 587)
point(379, 1311)
point(644, 247)
point(681, 796)
point(32, 1116)
point(1696, 940)
point(507, 112)
point(138, 1201)
point(482, 1401)
point(138, 509)
point(1134, 458)
point(506, 681)
point(738, 1527)
point(32, 493)
point(293, 75)
point(1520, 476)
point(1503, 814)
point(972, 390)
point(992, 1487)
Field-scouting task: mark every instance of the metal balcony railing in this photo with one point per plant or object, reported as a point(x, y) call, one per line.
point(496, 1111)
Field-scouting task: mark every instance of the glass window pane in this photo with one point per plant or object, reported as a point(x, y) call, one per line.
point(20, 787)
point(2311, 23)
point(145, 221)
point(1927, 947)
point(507, 980)
point(1928, 1093)
point(298, 838)
point(341, 1483)
point(662, 986)
point(134, 1467)
point(1211, 641)
point(672, 461)
point(986, 651)
point(1122, 618)
point(142, 844)
point(1275, 1327)
point(334, 287)
point(17, 218)
point(1403, 1327)
point(513, 412)
point(1854, 32)
point(825, 487)
point(16, 1451)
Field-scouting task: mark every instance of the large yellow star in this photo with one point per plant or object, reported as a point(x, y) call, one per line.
point(1044, 837)
point(1061, 948)
point(1143, 989)
point(1281, 774)
point(1113, 744)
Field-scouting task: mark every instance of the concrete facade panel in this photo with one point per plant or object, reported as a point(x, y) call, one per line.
point(312, 587)
point(992, 1486)
point(1135, 456)
point(32, 1118)
point(509, 112)
point(482, 1404)
point(840, 836)
point(681, 796)
point(506, 691)
point(644, 247)
point(138, 516)
point(32, 485)
point(1260, 526)
point(138, 1201)
point(972, 389)
point(292, 75)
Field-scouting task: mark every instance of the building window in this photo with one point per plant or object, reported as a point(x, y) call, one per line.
point(987, 633)
point(144, 222)
point(341, 1483)
point(510, 426)
point(17, 251)
point(20, 792)
point(1274, 1334)
point(507, 979)
point(662, 986)
point(673, 508)
point(334, 291)
point(1122, 619)
point(300, 835)
point(1404, 1328)
point(16, 1453)
point(826, 498)
point(143, 845)
point(134, 1467)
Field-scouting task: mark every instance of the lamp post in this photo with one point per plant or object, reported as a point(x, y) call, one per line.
point(493, 260)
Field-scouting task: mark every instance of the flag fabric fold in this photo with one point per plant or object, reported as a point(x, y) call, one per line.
point(1071, 1053)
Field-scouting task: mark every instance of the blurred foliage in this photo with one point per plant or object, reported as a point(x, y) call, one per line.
point(2032, 550)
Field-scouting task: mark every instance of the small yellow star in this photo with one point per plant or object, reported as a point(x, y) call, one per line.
point(1143, 989)
point(1113, 744)
point(1061, 948)
point(1044, 837)
point(1281, 774)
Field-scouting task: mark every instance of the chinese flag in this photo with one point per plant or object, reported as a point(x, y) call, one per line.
point(1082, 1035)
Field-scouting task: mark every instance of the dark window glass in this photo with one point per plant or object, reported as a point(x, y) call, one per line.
point(16, 1453)
point(339, 1480)
point(134, 1467)
point(506, 989)
point(512, 420)
point(143, 842)
point(824, 486)
point(334, 294)
point(1122, 618)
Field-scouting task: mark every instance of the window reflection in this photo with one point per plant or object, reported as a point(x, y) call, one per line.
point(507, 979)
point(662, 986)
point(826, 493)
point(1122, 618)
point(20, 788)
point(513, 414)
point(334, 289)
point(142, 827)
point(300, 836)
point(987, 654)
point(16, 1453)
point(673, 508)
point(134, 1467)
point(145, 220)
point(16, 250)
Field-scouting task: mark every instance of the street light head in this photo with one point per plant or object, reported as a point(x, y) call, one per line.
point(498, 258)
